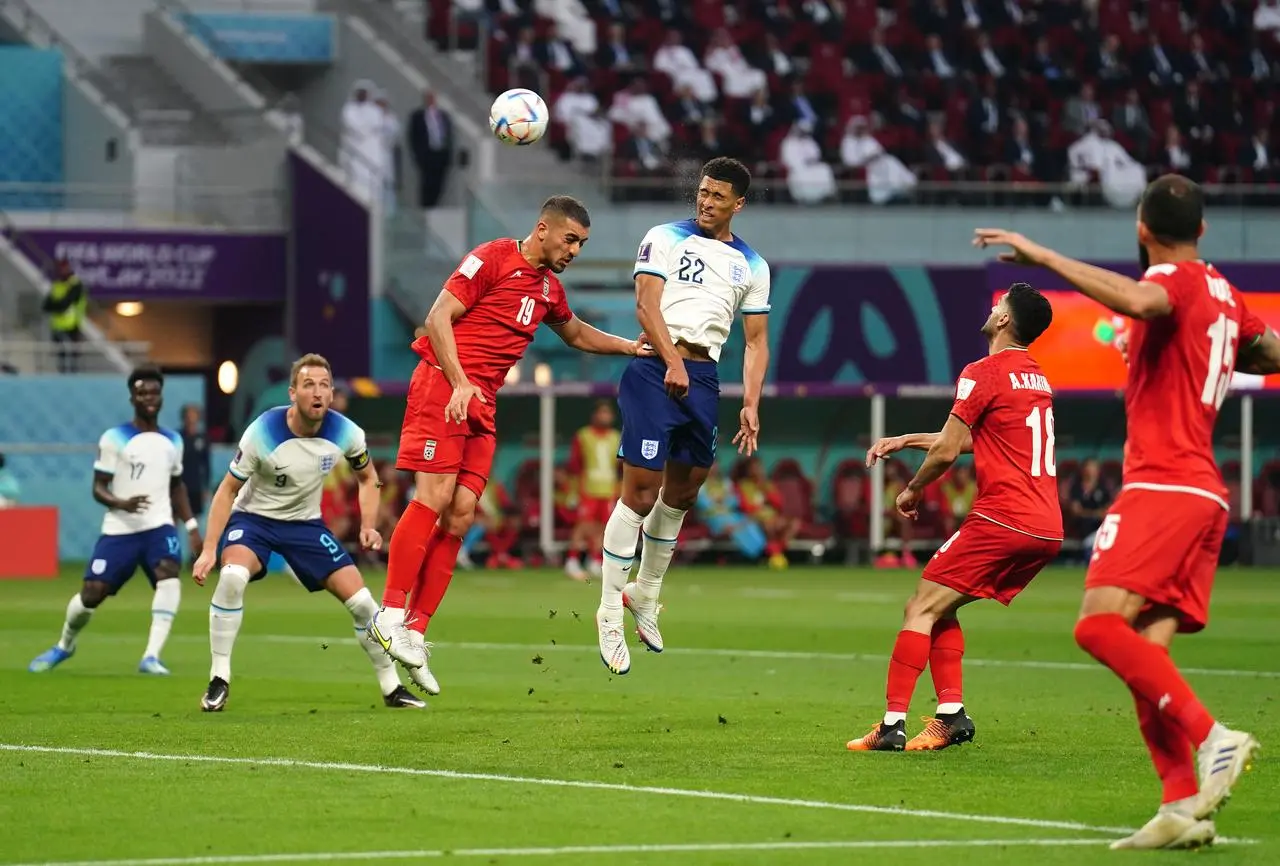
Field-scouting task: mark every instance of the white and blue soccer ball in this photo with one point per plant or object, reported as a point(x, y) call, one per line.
point(519, 117)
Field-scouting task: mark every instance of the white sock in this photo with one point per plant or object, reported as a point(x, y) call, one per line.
point(894, 718)
point(661, 529)
point(164, 607)
point(225, 613)
point(949, 709)
point(1218, 729)
point(362, 608)
point(390, 616)
point(77, 618)
point(621, 534)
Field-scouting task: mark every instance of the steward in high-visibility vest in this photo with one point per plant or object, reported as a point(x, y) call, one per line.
point(67, 304)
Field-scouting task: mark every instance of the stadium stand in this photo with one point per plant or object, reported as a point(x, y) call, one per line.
point(957, 90)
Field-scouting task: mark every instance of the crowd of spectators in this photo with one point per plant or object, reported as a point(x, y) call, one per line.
point(896, 92)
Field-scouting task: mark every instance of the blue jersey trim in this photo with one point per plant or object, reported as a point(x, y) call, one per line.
point(236, 474)
point(755, 311)
point(638, 271)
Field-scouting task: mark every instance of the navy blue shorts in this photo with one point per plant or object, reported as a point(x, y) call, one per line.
point(656, 427)
point(116, 557)
point(307, 545)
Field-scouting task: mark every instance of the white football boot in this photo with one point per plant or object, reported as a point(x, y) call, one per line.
point(387, 629)
point(422, 677)
point(1222, 759)
point(646, 616)
point(613, 645)
point(1169, 829)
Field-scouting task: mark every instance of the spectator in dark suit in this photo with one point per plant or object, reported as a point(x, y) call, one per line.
point(1257, 156)
point(1088, 503)
point(879, 58)
point(1022, 155)
point(1130, 119)
point(1107, 62)
point(1195, 119)
point(1160, 63)
point(984, 117)
point(986, 60)
point(431, 142)
point(616, 53)
point(558, 53)
point(1043, 63)
point(1200, 66)
point(761, 120)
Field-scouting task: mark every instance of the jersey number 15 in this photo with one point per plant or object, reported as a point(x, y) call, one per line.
point(1223, 335)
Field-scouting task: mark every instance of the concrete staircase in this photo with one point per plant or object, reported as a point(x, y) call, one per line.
point(164, 113)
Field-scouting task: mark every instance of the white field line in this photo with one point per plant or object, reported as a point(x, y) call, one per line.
point(752, 799)
point(776, 655)
point(571, 850)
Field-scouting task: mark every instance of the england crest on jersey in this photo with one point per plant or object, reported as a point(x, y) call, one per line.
point(737, 274)
point(327, 463)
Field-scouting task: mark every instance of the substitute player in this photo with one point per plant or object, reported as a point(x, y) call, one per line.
point(138, 477)
point(1003, 413)
point(593, 460)
point(1154, 558)
point(269, 502)
point(691, 278)
point(477, 329)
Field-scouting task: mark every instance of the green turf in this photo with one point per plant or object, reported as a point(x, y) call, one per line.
point(525, 695)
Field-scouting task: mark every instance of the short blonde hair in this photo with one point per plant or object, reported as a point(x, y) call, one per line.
point(311, 359)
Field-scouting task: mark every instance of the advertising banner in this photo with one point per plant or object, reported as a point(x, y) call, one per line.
point(331, 268)
point(1077, 352)
point(251, 38)
point(142, 265)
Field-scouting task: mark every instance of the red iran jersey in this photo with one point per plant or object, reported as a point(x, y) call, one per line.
point(506, 298)
point(1180, 368)
point(1007, 403)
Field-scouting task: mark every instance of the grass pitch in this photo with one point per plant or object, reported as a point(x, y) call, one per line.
point(726, 749)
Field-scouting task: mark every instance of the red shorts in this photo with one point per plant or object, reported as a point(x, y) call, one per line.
point(987, 560)
point(1164, 546)
point(592, 510)
point(430, 444)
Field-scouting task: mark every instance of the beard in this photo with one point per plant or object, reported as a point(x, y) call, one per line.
point(989, 329)
point(1144, 258)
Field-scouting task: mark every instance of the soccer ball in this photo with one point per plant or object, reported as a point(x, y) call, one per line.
point(518, 117)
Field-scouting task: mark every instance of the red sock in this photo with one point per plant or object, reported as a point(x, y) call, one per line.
point(1170, 751)
point(910, 655)
point(945, 653)
point(407, 552)
point(1147, 670)
point(433, 580)
point(574, 553)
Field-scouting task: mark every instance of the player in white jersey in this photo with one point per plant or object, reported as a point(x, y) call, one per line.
point(692, 278)
point(138, 477)
point(269, 502)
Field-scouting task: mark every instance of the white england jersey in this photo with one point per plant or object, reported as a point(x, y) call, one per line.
point(284, 473)
point(708, 282)
point(140, 464)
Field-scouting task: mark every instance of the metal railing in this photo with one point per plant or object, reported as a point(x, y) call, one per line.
point(22, 355)
point(34, 27)
point(132, 206)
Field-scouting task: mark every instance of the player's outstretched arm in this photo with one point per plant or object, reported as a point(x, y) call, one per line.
point(579, 335)
point(948, 446)
point(755, 366)
point(219, 514)
point(913, 442)
point(1262, 357)
point(369, 496)
point(1137, 299)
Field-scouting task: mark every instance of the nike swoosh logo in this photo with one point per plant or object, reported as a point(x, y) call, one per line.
point(281, 468)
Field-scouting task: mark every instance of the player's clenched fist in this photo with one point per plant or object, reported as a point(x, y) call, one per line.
point(884, 447)
point(676, 380)
point(370, 539)
point(908, 503)
point(203, 565)
point(456, 410)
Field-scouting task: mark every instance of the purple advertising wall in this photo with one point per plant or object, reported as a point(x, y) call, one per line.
point(138, 264)
point(332, 259)
point(1245, 276)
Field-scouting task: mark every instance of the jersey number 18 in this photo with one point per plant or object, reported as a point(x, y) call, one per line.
point(1042, 443)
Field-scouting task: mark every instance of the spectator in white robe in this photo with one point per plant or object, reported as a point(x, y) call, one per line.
point(809, 179)
point(677, 61)
point(1096, 153)
point(635, 108)
point(361, 146)
point(738, 79)
point(573, 21)
point(887, 176)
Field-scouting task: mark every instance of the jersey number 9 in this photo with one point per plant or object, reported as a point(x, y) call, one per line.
point(282, 480)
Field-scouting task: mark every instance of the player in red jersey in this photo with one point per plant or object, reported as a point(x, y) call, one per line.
point(1003, 413)
point(1153, 562)
point(478, 328)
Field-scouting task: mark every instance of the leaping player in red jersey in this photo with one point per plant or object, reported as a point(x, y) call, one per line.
point(1154, 558)
point(477, 329)
point(1003, 413)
